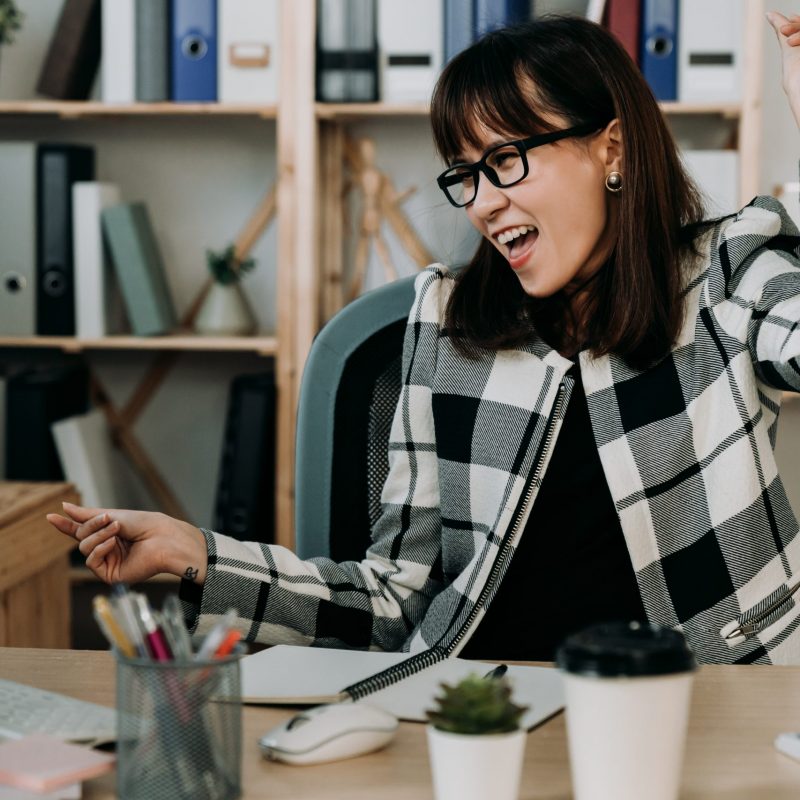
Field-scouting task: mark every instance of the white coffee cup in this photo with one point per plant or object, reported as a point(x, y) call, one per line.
point(628, 688)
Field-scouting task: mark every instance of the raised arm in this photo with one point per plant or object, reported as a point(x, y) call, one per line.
point(787, 31)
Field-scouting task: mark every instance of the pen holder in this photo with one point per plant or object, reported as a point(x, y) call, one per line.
point(179, 729)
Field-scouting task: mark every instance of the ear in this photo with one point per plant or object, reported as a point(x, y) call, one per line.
point(609, 143)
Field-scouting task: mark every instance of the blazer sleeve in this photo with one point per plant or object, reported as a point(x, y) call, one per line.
point(370, 604)
point(758, 255)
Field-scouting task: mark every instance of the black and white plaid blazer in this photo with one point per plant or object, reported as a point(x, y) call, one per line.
point(686, 447)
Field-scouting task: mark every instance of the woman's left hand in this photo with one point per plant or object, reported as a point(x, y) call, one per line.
point(787, 30)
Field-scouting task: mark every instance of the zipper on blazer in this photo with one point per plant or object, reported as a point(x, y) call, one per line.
point(750, 627)
point(533, 482)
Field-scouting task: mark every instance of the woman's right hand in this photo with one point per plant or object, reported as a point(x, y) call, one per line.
point(132, 546)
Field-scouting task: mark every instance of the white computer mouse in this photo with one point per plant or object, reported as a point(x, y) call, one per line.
point(328, 733)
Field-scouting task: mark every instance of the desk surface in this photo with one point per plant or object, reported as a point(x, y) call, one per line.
point(736, 713)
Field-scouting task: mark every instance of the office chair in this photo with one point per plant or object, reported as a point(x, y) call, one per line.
point(348, 394)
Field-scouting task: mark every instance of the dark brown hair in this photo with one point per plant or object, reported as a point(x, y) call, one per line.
point(510, 81)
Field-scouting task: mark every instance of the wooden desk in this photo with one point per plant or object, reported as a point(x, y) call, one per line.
point(736, 712)
point(34, 568)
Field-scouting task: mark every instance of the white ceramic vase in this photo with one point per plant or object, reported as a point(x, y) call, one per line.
point(225, 312)
point(470, 767)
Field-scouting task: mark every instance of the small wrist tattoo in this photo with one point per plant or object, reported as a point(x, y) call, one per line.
point(191, 574)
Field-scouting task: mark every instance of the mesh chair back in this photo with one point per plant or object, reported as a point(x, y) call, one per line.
point(349, 391)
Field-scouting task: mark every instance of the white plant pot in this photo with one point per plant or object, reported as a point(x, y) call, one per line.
point(225, 312)
point(469, 767)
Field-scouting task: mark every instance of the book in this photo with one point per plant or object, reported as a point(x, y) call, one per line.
point(403, 684)
point(193, 51)
point(98, 302)
point(42, 763)
point(139, 268)
point(18, 234)
point(623, 19)
point(35, 399)
point(711, 51)
point(73, 56)
point(86, 453)
point(411, 54)
point(659, 47)
point(347, 51)
point(58, 168)
point(249, 45)
point(492, 14)
point(152, 51)
point(458, 30)
point(118, 73)
point(245, 501)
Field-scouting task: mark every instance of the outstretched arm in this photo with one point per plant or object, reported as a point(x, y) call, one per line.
point(787, 31)
point(131, 546)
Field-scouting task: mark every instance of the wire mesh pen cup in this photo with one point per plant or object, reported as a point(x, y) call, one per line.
point(179, 729)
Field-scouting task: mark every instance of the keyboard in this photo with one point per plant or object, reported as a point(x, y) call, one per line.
point(25, 710)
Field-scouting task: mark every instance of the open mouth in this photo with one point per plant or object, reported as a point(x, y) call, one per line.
point(519, 242)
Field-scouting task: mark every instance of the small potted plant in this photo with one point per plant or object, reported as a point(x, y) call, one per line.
point(475, 741)
point(10, 21)
point(225, 310)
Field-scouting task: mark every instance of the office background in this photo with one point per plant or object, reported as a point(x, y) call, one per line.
point(201, 176)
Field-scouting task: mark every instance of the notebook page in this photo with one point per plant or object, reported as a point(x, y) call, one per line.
point(291, 675)
point(538, 688)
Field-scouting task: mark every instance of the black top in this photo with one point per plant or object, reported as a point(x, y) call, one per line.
point(571, 567)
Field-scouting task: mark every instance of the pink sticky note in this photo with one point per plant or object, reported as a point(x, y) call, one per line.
point(41, 763)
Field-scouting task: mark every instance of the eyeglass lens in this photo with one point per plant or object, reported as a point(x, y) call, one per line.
point(506, 163)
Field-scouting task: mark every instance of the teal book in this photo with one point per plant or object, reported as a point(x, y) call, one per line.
point(139, 267)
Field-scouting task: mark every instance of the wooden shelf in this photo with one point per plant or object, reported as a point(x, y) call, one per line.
point(358, 110)
point(79, 109)
point(262, 345)
point(344, 111)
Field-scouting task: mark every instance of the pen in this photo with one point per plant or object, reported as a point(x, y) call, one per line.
point(497, 672)
point(156, 643)
point(122, 602)
point(216, 636)
point(111, 628)
point(228, 643)
point(173, 620)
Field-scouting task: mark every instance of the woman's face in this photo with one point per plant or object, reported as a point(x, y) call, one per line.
point(563, 198)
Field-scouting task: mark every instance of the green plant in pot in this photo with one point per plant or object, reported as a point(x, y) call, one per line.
point(475, 741)
point(10, 21)
point(225, 310)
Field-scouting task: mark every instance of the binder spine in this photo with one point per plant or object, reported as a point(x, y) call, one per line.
point(395, 674)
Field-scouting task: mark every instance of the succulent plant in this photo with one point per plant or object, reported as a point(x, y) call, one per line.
point(10, 21)
point(476, 705)
point(224, 267)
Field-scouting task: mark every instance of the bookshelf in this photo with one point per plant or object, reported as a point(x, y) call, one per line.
point(308, 148)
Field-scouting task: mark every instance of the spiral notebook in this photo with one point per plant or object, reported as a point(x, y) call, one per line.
point(401, 684)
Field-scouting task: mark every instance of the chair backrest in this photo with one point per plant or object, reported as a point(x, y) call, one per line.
point(348, 395)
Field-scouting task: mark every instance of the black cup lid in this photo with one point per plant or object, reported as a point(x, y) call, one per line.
point(625, 649)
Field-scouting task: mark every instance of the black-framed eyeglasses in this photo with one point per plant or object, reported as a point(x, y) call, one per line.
point(504, 165)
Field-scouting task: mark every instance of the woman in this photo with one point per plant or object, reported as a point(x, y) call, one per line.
point(586, 424)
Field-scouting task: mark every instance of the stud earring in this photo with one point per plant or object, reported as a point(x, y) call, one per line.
point(614, 182)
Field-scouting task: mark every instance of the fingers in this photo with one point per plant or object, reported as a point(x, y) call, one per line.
point(778, 23)
point(66, 526)
point(96, 560)
point(95, 532)
point(81, 513)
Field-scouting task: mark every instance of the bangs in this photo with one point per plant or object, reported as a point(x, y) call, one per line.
point(474, 92)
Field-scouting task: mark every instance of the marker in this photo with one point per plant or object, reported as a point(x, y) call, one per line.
point(174, 622)
point(216, 636)
point(111, 628)
point(123, 604)
point(228, 643)
point(497, 672)
point(156, 642)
